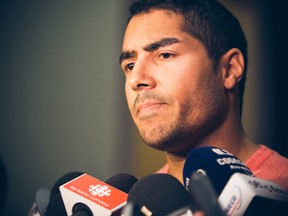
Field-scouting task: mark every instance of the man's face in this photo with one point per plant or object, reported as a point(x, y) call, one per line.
point(174, 96)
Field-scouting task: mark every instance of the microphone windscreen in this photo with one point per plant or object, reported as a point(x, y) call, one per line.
point(65, 178)
point(56, 206)
point(160, 194)
point(42, 200)
point(122, 181)
point(218, 164)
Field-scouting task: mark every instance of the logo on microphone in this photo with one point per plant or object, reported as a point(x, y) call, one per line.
point(235, 201)
point(221, 151)
point(99, 190)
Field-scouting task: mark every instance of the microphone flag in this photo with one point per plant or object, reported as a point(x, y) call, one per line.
point(90, 190)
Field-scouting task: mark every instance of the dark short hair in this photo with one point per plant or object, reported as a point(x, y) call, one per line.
point(208, 21)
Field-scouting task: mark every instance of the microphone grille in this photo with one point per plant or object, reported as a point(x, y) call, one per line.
point(160, 193)
point(122, 181)
point(56, 207)
point(64, 179)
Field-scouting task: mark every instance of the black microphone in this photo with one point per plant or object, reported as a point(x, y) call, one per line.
point(218, 164)
point(87, 195)
point(122, 181)
point(56, 206)
point(62, 180)
point(43, 196)
point(157, 195)
point(41, 202)
point(204, 196)
point(131, 209)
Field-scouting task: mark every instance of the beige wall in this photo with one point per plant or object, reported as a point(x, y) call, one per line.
point(61, 92)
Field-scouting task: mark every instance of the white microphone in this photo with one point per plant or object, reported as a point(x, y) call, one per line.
point(238, 191)
point(89, 194)
point(247, 195)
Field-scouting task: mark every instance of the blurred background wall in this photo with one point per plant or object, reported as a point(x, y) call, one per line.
point(62, 100)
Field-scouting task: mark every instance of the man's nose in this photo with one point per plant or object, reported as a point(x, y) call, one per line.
point(141, 77)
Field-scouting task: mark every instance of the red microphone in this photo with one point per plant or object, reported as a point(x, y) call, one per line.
point(100, 198)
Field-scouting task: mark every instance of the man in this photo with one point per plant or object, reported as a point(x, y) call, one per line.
point(185, 65)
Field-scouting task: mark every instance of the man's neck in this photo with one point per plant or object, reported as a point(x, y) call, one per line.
point(176, 164)
point(243, 151)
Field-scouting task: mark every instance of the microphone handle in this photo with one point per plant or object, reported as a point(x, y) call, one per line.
point(204, 195)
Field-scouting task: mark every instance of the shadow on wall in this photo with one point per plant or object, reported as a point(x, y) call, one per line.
point(273, 67)
point(4, 186)
point(265, 108)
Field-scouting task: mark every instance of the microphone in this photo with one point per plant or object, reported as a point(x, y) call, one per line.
point(122, 181)
point(87, 195)
point(55, 207)
point(41, 201)
point(158, 195)
point(203, 195)
point(131, 209)
point(247, 195)
point(240, 192)
point(218, 164)
point(44, 196)
point(62, 180)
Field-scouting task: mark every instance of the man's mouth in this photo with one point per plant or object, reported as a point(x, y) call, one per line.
point(149, 108)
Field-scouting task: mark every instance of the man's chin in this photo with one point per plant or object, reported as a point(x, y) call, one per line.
point(169, 148)
point(179, 153)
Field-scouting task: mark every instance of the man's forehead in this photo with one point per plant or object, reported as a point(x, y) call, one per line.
point(143, 29)
point(154, 20)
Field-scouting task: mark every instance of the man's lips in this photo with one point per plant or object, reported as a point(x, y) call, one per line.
point(149, 107)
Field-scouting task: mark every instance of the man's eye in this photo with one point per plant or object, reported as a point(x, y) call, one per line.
point(130, 66)
point(166, 55)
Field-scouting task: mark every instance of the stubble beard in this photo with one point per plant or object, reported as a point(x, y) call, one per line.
point(179, 137)
point(182, 133)
point(174, 137)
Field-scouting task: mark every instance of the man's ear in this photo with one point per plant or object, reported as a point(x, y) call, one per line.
point(232, 63)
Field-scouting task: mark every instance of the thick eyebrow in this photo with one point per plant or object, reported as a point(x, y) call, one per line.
point(161, 43)
point(126, 55)
point(149, 48)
